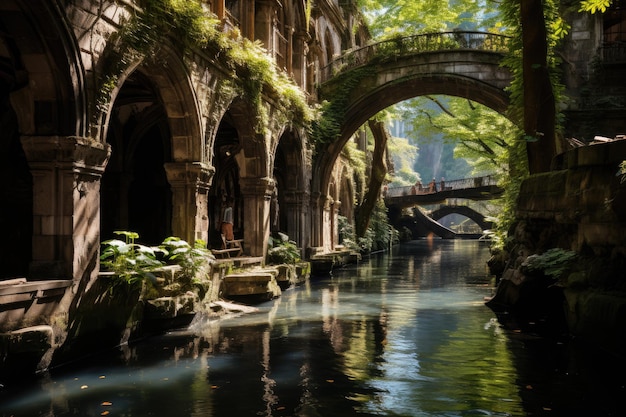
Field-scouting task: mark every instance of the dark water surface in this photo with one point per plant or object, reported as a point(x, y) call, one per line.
point(402, 334)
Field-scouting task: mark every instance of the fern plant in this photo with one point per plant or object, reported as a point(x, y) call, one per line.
point(190, 258)
point(554, 263)
point(282, 250)
point(129, 261)
point(132, 262)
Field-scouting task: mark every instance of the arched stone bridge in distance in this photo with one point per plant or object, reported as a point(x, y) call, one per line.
point(372, 78)
point(463, 210)
point(477, 188)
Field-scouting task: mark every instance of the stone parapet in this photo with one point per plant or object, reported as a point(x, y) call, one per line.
point(586, 193)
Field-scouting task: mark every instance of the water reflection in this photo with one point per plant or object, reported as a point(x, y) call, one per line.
point(403, 334)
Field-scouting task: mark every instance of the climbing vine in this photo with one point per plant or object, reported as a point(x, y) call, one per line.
point(142, 33)
point(556, 29)
point(331, 114)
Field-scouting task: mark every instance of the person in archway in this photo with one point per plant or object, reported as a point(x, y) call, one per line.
point(275, 209)
point(227, 220)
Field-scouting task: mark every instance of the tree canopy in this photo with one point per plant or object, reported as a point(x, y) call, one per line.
point(527, 141)
point(388, 18)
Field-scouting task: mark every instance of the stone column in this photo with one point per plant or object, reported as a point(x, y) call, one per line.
point(247, 21)
point(66, 175)
point(334, 223)
point(317, 220)
point(257, 194)
point(263, 25)
point(219, 9)
point(299, 62)
point(190, 183)
point(289, 52)
point(327, 215)
point(296, 211)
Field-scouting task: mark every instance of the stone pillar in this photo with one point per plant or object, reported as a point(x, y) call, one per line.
point(66, 175)
point(334, 223)
point(327, 223)
point(296, 213)
point(219, 9)
point(263, 25)
point(190, 183)
point(247, 21)
point(257, 194)
point(317, 220)
point(298, 58)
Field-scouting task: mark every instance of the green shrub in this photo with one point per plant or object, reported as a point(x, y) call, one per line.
point(190, 258)
point(554, 263)
point(132, 262)
point(282, 250)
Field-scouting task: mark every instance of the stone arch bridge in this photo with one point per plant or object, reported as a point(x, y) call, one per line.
point(466, 211)
point(478, 188)
point(369, 79)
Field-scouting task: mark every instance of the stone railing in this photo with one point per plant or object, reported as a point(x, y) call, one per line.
point(460, 184)
point(409, 45)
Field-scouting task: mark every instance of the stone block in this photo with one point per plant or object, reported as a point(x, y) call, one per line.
point(29, 339)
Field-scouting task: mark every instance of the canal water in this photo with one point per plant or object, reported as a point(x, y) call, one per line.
point(402, 334)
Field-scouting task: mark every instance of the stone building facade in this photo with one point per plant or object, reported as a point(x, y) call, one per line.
point(104, 131)
point(107, 124)
point(169, 132)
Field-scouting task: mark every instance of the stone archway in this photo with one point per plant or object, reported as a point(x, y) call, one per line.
point(225, 185)
point(16, 218)
point(240, 156)
point(291, 194)
point(346, 192)
point(154, 123)
point(464, 211)
point(44, 99)
point(136, 195)
point(478, 77)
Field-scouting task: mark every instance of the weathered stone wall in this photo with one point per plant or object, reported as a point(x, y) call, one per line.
point(584, 194)
point(579, 207)
point(79, 99)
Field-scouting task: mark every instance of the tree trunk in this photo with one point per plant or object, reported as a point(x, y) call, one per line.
point(539, 102)
point(379, 171)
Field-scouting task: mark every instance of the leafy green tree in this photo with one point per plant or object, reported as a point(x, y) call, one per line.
point(390, 18)
point(478, 134)
point(403, 154)
point(595, 6)
point(377, 177)
point(529, 143)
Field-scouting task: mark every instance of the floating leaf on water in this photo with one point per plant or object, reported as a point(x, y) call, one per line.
point(84, 386)
point(106, 403)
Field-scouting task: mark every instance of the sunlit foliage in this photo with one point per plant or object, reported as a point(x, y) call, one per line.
point(388, 18)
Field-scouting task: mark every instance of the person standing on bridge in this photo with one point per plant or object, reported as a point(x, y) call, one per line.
point(432, 186)
point(443, 184)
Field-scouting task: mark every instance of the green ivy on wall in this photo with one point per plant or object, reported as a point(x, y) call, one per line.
point(143, 32)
